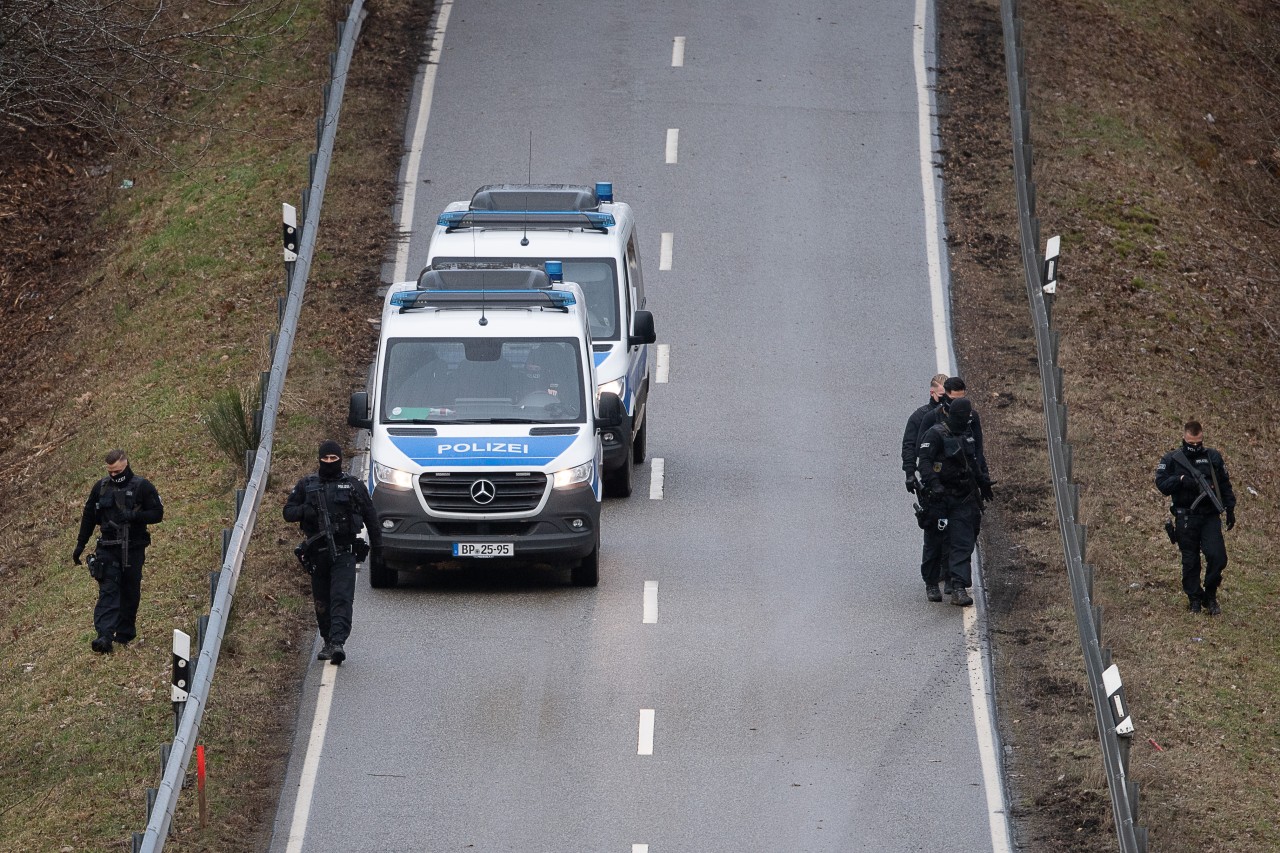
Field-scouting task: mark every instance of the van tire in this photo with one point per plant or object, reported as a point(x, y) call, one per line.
point(587, 572)
point(383, 578)
point(640, 444)
point(618, 483)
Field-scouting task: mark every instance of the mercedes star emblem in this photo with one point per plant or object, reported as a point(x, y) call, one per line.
point(483, 492)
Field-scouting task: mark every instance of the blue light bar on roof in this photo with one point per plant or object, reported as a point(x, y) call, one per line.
point(604, 191)
point(526, 218)
point(407, 299)
point(555, 271)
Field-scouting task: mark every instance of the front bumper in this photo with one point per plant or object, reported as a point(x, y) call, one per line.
point(411, 539)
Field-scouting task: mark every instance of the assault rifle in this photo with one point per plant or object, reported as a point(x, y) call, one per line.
point(1206, 491)
point(323, 507)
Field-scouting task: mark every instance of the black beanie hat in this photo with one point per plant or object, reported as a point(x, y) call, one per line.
point(959, 414)
point(329, 446)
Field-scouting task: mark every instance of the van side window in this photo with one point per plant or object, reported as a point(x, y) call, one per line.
point(634, 277)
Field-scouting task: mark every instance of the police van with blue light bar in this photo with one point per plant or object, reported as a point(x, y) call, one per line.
point(484, 422)
point(595, 238)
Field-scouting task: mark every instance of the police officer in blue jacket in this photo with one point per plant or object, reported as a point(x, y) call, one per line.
point(122, 504)
point(956, 479)
point(332, 507)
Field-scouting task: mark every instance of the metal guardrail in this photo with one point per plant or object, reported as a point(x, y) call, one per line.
point(175, 757)
point(1115, 726)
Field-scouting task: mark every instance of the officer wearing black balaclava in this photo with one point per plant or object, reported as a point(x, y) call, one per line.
point(957, 482)
point(1192, 476)
point(332, 507)
point(122, 504)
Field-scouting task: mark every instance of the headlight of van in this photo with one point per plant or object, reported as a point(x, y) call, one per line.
point(572, 476)
point(392, 477)
point(613, 387)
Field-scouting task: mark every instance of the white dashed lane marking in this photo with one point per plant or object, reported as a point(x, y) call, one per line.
point(645, 746)
point(659, 472)
point(663, 368)
point(673, 143)
point(677, 52)
point(667, 248)
point(650, 609)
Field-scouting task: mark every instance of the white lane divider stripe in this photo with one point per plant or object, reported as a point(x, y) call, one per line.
point(659, 473)
point(663, 369)
point(639, 848)
point(311, 765)
point(677, 54)
point(673, 143)
point(646, 732)
point(650, 603)
point(668, 247)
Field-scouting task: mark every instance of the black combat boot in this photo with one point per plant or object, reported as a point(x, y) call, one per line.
point(932, 592)
point(1212, 606)
point(1193, 604)
point(960, 596)
point(101, 645)
point(326, 652)
point(339, 654)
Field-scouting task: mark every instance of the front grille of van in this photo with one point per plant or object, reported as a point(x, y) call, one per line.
point(513, 491)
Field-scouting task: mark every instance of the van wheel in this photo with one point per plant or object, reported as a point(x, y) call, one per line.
point(587, 572)
point(618, 482)
point(380, 578)
point(640, 445)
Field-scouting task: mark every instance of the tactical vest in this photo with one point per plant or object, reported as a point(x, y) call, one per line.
point(340, 500)
point(113, 502)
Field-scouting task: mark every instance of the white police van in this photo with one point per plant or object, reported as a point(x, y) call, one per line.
point(484, 423)
point(595, 238)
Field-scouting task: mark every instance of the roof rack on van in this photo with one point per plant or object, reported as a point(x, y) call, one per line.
point(407, 300)
point(468, 275)
point(452, 220)
point(533, 206)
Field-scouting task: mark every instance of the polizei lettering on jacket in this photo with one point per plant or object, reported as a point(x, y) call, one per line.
point(485, 447)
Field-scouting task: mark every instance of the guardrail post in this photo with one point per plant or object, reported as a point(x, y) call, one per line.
point(226, 542)
point(151, 801)
point(214, 578)
point(137, 841)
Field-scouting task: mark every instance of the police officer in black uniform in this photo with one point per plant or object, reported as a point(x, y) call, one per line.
point(957, 483)
point(331, 507)
point(122, 504)
point(1197, 523)
point(931, 557)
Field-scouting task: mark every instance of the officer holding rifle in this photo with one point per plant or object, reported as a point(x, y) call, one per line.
point(331, 507)
point(1195, 479)
point(122, 504)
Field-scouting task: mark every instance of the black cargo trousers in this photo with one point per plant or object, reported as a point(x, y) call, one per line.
point(963, 514)
point(333, 590)
point(119, 592)
point(1199, 532)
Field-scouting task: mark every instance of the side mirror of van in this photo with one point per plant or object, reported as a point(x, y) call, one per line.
point(609, 411)
point(642, 329)
point(358, 414)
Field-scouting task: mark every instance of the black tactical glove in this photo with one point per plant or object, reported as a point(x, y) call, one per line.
point(75, 555)
point(1231, 518)
point(911, 484)
point(375, 558)
point(985, 490)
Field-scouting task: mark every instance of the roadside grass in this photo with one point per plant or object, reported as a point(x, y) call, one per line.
point(1150, 130)
point(179, 308)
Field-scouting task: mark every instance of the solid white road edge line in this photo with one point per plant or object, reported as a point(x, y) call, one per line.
point(667, 247)
point(409, 198)
point(310, 766)
point(663, 369)
point(677, 60)
point(658, 472)
point(650, 609)
point(646, 732)
point(673, 143)
point(983, 719)
point(639, 848)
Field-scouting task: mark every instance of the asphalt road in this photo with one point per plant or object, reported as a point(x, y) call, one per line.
point(758, 669)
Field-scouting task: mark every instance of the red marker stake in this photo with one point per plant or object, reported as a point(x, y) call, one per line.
point(204, 810)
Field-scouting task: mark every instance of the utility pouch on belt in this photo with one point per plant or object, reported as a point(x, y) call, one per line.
point(360, 549)
point(1171, 531)
point(97, 568)
point(306, 552)
point(922, 516)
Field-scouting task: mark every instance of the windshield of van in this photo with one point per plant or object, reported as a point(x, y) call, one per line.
point(482, 380)
point(598, 278)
